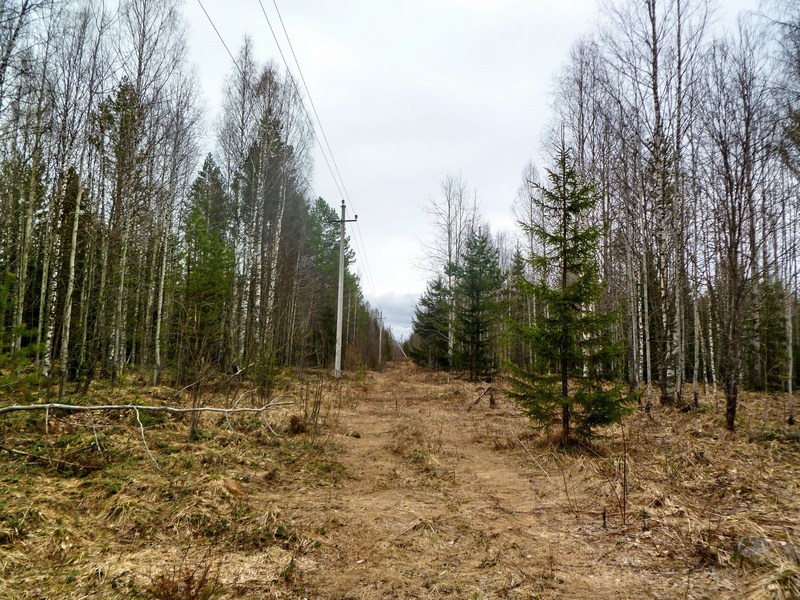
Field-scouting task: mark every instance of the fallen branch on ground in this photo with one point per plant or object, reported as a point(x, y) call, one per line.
point(42, 458)
point(490, 390)
point(137, 407)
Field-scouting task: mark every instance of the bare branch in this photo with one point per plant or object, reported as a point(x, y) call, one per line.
point(144, 440)
point(137, 407)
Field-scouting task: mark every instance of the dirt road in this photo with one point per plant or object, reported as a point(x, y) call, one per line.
point(442, 499)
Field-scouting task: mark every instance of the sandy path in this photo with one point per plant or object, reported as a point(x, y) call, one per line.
point(442, 502)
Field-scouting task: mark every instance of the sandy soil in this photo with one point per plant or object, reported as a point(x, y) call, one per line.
point(441, 498)
point(410, 489)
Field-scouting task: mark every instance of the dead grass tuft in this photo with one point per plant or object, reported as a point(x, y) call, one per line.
point(186, 582)
point(782, 582)
point(417, 446)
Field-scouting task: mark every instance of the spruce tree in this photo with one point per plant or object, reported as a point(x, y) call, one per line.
point(477, 306)
point(430, 347)
point(209, 275)
point(577, 358)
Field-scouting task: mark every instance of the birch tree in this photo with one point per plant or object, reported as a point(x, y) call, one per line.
point(738, 125)
point(453, 218)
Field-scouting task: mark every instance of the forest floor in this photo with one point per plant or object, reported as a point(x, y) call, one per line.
point(398, 484)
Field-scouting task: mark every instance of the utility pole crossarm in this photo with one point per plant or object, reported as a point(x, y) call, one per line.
point(340, 304)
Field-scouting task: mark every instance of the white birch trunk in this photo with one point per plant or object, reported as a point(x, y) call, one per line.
point(160, 305)
point(67, 318)
point(25, 251)
point(712, 366)
point(118, 351)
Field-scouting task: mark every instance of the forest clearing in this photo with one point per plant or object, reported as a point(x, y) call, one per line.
point(201, 395)
point(395, 484)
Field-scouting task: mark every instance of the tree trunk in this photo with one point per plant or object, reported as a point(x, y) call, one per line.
point(696, 364)
point(789, 353)
point(711, 363)
point(49, 309)
point(635, 371)
point(731, 402)
point(24, 256)
point(67, 318)
point(274, 251)
point(118, 348)
point(152, 285)
point(646, 315)
point(160, 305)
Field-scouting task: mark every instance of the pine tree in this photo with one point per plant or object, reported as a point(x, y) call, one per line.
point(477, 304)
point(570, 338)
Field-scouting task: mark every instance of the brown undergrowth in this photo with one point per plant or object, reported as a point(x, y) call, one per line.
point(396, 485)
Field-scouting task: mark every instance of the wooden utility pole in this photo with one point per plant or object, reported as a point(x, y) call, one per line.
point(380, 338)
point(340, 305)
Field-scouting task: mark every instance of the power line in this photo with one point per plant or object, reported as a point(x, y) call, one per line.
point(368, 271)
point(327, 147)
point(310, 99)
point(294, 83)
point(238, 68)
point(219, 35)
point(325, 150)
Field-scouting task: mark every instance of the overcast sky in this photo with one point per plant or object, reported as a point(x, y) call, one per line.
point(408, 92)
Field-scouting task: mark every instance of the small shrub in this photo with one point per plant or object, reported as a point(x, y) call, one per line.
point(289, 571)
point(185, 582)
point(297, 425)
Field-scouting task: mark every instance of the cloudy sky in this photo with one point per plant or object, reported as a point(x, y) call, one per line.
point(408, 92)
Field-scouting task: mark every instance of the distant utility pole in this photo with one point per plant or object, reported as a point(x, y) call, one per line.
point(340, 307)
point(380, 337)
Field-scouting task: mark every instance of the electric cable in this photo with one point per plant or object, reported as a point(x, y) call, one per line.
point(310, 98)
point(305, 110)
point(327, 147)
point(294, 84)
point(219, 35)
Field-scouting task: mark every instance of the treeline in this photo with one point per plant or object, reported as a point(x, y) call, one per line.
point(691, 140)
point(115, 254)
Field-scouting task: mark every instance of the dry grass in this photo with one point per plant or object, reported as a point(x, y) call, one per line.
point(386, 486)
point(85, 511)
